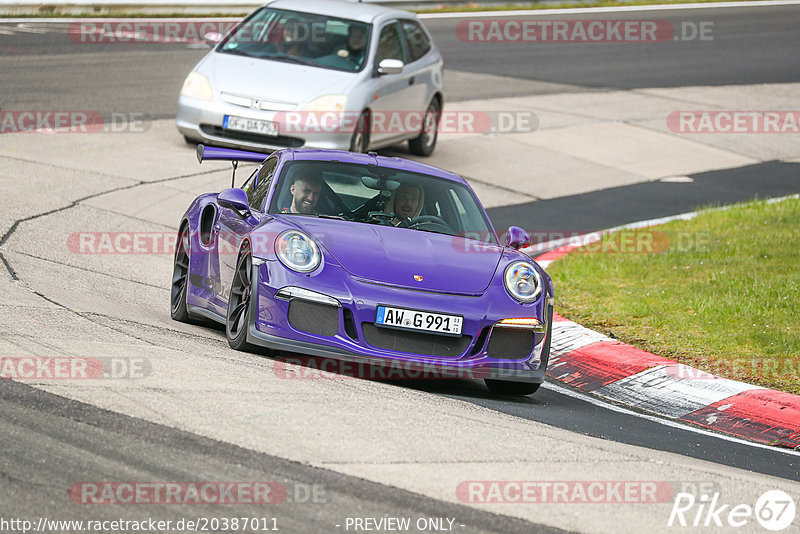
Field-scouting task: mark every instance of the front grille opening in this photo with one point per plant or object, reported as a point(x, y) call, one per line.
point(415, 342)
point(349, 324)
point(481, 341)
point(508, 344)
point(314, 317)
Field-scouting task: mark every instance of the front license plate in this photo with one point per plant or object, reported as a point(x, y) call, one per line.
point(419, 320)
point(250, 125)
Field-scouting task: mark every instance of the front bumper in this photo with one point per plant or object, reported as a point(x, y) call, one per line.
point(202, 121)
point(270, 326)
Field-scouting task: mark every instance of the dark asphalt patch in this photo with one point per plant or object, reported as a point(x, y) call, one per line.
point(608, 208)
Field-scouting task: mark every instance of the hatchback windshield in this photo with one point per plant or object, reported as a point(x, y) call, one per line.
point(377, 195)
point(304, 38)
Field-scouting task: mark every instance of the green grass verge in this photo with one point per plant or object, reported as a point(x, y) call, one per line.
point(720, 292)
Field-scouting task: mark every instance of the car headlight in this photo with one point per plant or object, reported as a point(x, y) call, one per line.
point(297, 251)
point(327, 103)
point(197, 86)
point(522, 281)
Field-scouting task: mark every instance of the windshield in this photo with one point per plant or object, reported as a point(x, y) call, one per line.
point(370, 194)
point(304, 38)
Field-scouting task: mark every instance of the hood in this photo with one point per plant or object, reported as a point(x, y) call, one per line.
point(390, 255)
point(272, 80)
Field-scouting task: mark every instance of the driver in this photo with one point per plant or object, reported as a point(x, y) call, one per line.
point(305, 194)
point(356, 40)
point(406, 203)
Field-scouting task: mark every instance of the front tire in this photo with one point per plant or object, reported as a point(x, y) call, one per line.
point(180, 277)
point(504, 387)
point(425, 142)
point(237, 320)
point(359, 142)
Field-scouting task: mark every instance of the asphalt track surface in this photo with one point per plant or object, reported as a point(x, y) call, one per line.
point(49, 441)
point(749, 46)
point(599, 210)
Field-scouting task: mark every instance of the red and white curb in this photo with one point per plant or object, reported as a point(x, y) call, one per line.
point(594, 363)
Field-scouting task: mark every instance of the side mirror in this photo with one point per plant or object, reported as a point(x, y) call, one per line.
point(517, 238)
point(212, 38)
point(235, 199)
point(390, 66)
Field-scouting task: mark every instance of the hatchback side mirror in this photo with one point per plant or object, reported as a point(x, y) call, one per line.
point(390, 66)
point(517, 238)
point(212, 38)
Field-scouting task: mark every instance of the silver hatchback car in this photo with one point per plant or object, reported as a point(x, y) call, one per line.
point(322, 74)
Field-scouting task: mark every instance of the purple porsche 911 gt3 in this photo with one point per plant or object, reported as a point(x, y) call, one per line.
point(364, 258)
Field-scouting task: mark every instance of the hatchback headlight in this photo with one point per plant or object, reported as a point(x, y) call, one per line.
point(297, 251)
point(523, 282)
point(197, 86)
point(325, 103)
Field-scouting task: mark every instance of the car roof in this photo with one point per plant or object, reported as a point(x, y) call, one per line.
point(338, 8)
point(306, 154)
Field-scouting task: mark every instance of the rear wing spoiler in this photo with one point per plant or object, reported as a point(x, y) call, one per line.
point(209, 153)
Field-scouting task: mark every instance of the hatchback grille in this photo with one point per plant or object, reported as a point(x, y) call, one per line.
point(280, 140)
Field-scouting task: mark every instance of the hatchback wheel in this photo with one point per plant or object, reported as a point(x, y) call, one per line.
point(359, 142)
point(425, 142)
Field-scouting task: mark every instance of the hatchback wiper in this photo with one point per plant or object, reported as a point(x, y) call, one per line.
point(237, 52)
point(290, 59)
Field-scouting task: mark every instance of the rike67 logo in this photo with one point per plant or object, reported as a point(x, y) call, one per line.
point(774, 510)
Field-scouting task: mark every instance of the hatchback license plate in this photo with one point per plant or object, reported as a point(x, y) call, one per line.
point(250, 125)
point(419, 320)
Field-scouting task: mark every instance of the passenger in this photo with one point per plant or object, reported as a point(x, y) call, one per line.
point(406, 203)
point(293, 37)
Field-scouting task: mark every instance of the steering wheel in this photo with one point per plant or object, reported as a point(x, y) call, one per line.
point(430, 222)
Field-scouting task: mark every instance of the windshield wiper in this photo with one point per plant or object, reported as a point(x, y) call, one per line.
point(290, 59)
point(237, 52)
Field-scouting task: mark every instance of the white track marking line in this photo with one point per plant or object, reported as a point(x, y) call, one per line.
point(667, 422)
